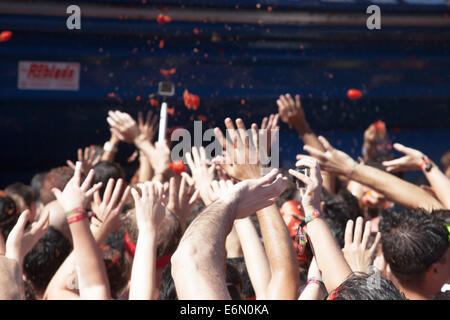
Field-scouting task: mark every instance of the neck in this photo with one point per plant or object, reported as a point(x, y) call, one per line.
point(416, 291)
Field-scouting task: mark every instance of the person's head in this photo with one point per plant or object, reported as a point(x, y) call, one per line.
point(415, 250)
point(118, 267)
point(23, 197)
point(36, 185)
point(445, 162)
point(167, 238)
point(44, 259)
point(247, 291)
point(8, 213)
point(105, 170)
point(55, 178)
point(337, 210)
point(167, 289)
point(362, 286)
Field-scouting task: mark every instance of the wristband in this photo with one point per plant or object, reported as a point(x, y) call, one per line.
point(350, 171)
point(75, 211)
point(311, 217)
point(426, 164)
point(317, 280)
point(108, 147)
point(76, 218)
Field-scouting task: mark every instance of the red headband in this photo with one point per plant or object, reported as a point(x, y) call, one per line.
point(130, 247)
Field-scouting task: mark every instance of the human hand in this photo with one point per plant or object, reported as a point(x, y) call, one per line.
point(355, 250)
point(202, 171)
point(333, 160)
point(149, 127)
point(88, 160)
point(149, 207)
point(123, 126)
point(182, 197)
point(268, 126)
point(255, 194)
point(291, 112)
point(21, 240)
point(75, 194)
point(410, 162)
point(160, 158)
point(242, 160)
point(311, 193)
point(107, 210)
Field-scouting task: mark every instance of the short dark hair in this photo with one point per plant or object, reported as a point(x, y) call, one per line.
point(234, 282)
point(377, 162)
point(55, 178)
point(105, 170)
point(339, 208)
point(412, 240)
point(36, 185)
point(8, 213)
point(247, 288)
point(167, 289)
point(361, 286)
point(22, 193)
point(44, 259)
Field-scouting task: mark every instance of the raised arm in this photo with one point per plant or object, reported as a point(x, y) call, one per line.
point(91, 270)
point(198, 263)
point(328, 255)
point(149, 215)
point(395, 189)
point(416, 160)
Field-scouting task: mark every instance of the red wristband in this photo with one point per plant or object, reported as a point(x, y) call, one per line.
point(76, 218)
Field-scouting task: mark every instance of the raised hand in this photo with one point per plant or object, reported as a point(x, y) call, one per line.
point(88, 159)
point(21, 240)
point(202, 171)
point(311, 193)
point(123, 126)
point(242, 160)
point(75, 193)
point(255, 194)
point(182, 197)
point(358, 255)
point(149, 207)
point(268, 125)
point(149, 127)
point(107, 210)
point(332, 160)
point(409, 162)
point(291, 112)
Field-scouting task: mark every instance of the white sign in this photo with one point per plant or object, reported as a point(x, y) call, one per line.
point(44, 75)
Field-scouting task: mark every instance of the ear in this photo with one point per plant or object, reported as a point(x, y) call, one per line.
point(323, 206)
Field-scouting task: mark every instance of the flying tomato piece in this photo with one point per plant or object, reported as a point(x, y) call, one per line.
point(354, 94)
point(162, 19)
point(5, 36)
point(380, 126)
point(168, 72)
point(154, 102)
point(171, 111)
point(161, 44)
point(177, 166)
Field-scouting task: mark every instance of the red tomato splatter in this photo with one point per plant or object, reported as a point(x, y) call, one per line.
point(171, 111)
point(154, 102)
point(168, 72)
point(161, 44)
point(379, 125)
point(191, 101)
point(162, 19)
point(111, 95)
point(196, 31)
point(202, 118)
point(269, 8)
point(242, 101)
point(177, 167)
point(354, 94)
point(138, 98)
point(5, 36)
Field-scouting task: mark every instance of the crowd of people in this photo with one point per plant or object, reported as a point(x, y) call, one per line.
point(228, 226)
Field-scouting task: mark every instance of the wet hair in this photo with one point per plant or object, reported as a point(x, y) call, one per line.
point(8, 214)
point(168, 234)
point(36, 185)
point(118, 269)
point(105, 170)
point(412, 240)
point(339, 208)
point(234, 282)
point(247, 287)
point(44, 259)
point(167, 289)
point(55, 178)
point(361, 286)
point(21, 194)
